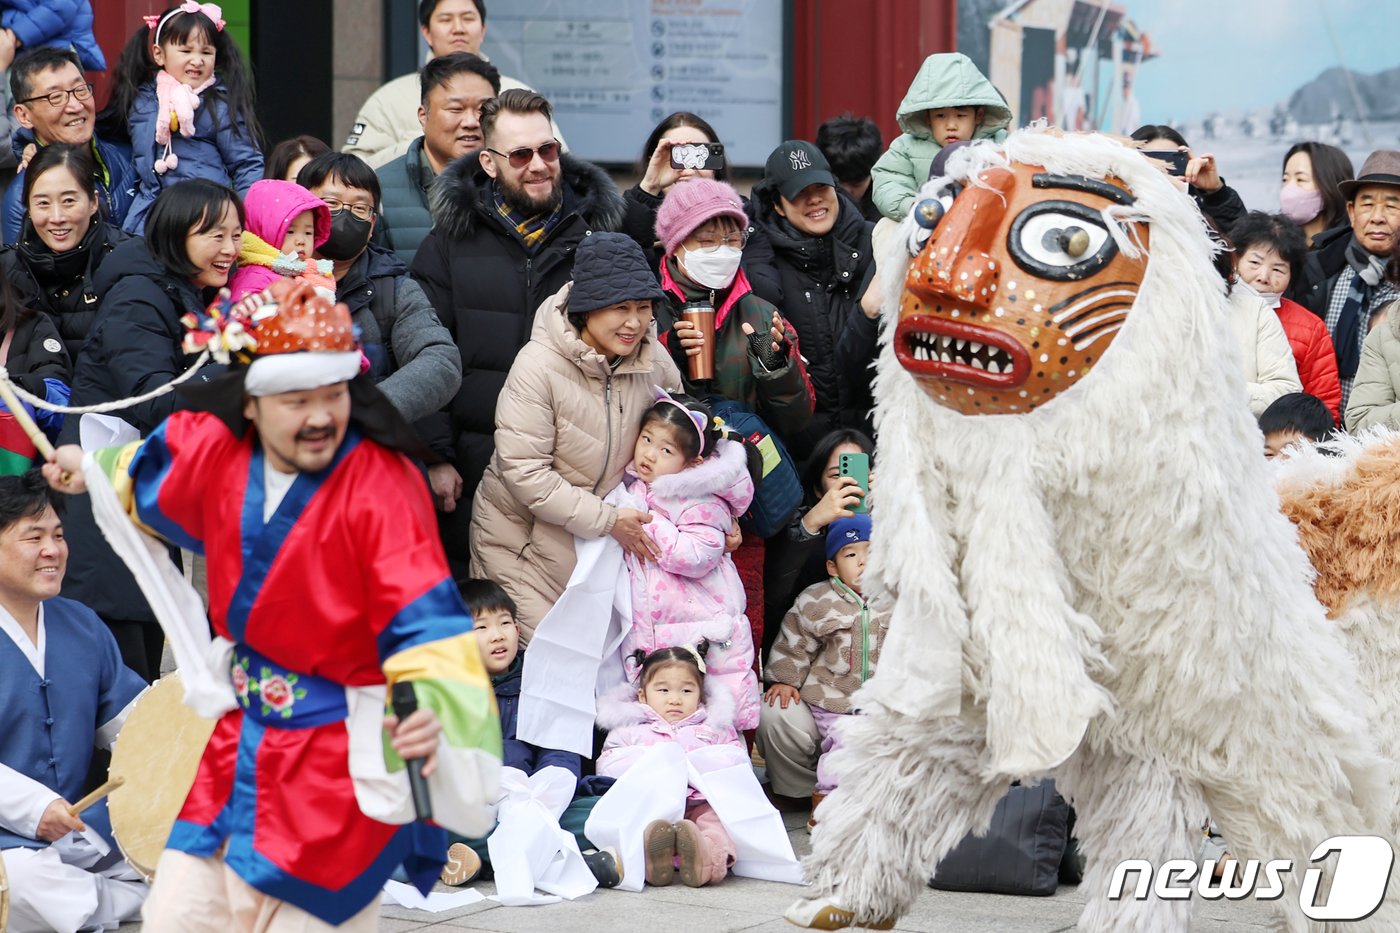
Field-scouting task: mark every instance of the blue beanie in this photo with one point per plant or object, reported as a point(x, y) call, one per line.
point(846, 531)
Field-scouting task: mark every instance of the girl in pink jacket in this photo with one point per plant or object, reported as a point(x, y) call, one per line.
point(666, 707)
point(695, 484)
point(285, 225)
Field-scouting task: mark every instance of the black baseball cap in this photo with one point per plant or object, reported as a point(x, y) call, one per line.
point(796, 164)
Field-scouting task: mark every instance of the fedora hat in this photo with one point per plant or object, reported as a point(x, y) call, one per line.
point(1382, 167)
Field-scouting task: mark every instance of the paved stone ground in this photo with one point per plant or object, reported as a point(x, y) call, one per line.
point(742, 904)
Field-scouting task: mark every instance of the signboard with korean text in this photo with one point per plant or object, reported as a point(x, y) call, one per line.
point(613, 69)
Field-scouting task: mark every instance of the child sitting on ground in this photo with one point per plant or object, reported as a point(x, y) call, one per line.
point(285, 225)
point(949, 100)
point(667, 707)
point(827, 647)
point(498, 637)
point(694, 482)
point(1295, 418)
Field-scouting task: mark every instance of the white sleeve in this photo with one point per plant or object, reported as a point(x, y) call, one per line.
point(22, 802)
point(107, 733)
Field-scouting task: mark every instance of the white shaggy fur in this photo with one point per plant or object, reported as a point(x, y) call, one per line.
point(1102, 591)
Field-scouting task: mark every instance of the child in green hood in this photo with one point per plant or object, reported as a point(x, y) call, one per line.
point(950, 100)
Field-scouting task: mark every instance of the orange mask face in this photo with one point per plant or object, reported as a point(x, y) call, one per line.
point(1018, 292)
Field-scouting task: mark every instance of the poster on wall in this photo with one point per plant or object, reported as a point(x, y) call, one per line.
point(613, 69)
point(1244, 80)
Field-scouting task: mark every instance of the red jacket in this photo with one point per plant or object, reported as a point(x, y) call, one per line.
point(1312, 348)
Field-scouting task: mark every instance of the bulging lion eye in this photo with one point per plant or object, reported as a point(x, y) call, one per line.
point(1060, 240)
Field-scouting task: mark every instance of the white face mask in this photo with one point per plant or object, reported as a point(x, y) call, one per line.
point(713, 266)
point(1272, 299)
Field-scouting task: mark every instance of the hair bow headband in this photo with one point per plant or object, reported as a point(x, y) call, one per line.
point(695, 653)
point(696, 418)
point(211, 10)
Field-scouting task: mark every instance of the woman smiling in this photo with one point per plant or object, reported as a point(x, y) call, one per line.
point(63, 242)
point(144, 287)
point(566, 424)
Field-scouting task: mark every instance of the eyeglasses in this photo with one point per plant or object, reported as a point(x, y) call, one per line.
point(709, 240)
point(362, 211)
point(519, 158)
point(60, 98)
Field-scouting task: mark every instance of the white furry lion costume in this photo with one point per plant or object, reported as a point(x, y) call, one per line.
point(1096, 585)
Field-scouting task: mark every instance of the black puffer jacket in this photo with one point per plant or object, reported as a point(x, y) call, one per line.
point(404, 219)
point(62, 285)
point(1312, 287)
point(823, 279)
point(36, 354)
point(135, 344)
point(485, 287)
point(134, 347)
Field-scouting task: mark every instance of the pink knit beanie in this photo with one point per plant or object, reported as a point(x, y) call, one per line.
point(689, 204)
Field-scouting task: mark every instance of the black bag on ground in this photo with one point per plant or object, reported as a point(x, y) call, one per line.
point(1021, 852)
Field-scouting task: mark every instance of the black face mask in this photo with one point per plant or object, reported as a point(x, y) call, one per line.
point(348, 239)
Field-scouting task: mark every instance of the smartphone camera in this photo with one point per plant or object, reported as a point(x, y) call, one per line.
point(1175, 159)
point(708, 157)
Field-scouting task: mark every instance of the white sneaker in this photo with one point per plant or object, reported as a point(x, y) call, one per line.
point(826, 914)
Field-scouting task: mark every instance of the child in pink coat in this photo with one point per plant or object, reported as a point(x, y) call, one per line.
point(666, 707)
point(695, 483)
point(285, 225)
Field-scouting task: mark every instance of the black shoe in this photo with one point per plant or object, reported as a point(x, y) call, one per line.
point(606, 867)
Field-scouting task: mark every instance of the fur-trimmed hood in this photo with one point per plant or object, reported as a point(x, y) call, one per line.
point(459, 196)
point(621, 707)
point(724, 474)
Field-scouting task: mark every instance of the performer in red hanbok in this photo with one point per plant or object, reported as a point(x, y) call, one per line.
point(326, 584)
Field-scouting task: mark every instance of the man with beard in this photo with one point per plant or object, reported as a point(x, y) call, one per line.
point(327, 588)
point(506, 222)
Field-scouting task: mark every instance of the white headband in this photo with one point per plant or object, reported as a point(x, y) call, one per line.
point(299, 372)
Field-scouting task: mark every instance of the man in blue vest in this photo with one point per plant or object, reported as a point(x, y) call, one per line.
point(64, 691)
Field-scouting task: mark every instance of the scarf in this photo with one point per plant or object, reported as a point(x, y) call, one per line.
point(532, 230)
point(253, 250)
point(52, 269)
point(1368, 270)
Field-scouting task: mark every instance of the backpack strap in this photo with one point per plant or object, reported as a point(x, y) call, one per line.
point(381, 305)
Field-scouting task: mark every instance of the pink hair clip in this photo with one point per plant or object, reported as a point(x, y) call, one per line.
point(211, 10)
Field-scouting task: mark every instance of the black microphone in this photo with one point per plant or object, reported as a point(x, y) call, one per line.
point(405, 702)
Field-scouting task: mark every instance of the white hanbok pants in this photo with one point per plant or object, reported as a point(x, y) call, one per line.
point(57, 890)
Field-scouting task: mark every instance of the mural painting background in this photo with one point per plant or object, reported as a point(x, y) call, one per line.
point(1243, 79)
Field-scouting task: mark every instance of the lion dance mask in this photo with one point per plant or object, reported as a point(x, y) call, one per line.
point(1090, 575)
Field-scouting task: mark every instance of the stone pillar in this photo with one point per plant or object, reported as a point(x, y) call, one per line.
point(359, 60)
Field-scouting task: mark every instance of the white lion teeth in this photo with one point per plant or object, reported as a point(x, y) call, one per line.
point(934, 348)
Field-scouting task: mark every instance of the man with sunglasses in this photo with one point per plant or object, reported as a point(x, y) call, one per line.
point(54, 104)
point(507, 220)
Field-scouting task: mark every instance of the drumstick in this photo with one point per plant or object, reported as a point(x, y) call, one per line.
point(31, 430)
point(96, 795)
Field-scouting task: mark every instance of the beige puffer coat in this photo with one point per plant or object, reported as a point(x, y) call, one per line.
point(565, 428)
point(1375, 395)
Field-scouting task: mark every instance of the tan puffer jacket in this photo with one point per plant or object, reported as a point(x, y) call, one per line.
point(1375, 395)
point(565, 428)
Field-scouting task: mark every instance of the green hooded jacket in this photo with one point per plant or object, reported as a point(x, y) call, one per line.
point(948, 79)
